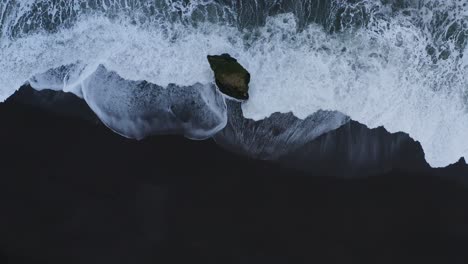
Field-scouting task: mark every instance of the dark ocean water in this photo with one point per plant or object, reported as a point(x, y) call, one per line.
point(140, 65)
point(351, 148)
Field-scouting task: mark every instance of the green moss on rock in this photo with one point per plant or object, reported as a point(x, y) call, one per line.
point(231, 78)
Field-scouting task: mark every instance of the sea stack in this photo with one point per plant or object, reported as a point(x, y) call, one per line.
point(231, 78)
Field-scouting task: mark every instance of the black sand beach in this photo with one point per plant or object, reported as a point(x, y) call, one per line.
point(71, 191)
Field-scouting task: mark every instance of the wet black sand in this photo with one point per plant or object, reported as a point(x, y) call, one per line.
point(71, 191)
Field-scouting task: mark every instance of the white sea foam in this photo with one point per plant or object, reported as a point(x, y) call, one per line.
point(379, 75)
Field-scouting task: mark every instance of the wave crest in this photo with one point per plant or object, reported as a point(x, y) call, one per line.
point(398, 64)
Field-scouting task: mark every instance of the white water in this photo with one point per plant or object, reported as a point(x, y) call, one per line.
point(381, 75)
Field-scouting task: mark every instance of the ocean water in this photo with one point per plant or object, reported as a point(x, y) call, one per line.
point(141, 64)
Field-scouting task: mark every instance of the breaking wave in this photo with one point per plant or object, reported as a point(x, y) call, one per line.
point(141, 64)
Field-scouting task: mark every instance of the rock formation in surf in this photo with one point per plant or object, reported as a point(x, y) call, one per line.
point(231, 78)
